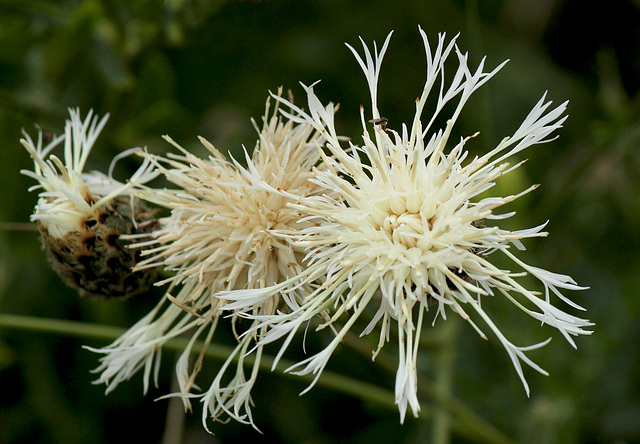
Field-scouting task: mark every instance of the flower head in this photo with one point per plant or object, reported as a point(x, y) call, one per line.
point(221, 235)
point(82, 215)
point(404, 226)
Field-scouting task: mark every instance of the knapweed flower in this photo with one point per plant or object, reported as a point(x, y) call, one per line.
point(404, 227)
point(81, 216)
point(219, 236)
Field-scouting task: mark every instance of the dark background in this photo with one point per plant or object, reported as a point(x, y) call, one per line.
point(191, 67)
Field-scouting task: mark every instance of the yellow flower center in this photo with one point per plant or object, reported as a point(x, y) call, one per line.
point(404, 229)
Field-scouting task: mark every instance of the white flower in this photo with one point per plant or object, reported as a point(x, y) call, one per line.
point(220, 236)
point(82, 215)
point(406, 229)
point(68, 194)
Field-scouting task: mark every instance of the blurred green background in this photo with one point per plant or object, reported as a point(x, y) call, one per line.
point(195, 67)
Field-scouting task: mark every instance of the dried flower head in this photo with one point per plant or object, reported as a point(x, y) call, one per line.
point(81, 216)
point(403, 227)
point(220, 236)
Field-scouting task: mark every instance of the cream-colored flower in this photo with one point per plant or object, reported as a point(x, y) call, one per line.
point(407, 227)
point(81, 216)
point(218, 237)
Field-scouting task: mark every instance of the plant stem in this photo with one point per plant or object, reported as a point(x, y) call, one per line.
point(18, 226)
point(344, 384)
point(59, 326)
point(466, 421)
point(174, 424)
point(444, 357)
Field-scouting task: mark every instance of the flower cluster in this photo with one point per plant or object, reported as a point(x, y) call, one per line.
point(318, 230)
point(223, 233)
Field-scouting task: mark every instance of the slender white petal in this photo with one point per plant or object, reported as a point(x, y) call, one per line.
point(221, 235)
point(69, 194)
point(406, 221)
point(81, 215)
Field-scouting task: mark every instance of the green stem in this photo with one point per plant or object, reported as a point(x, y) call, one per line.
point(466, 422)
point(174, 424)
point(59, 326)
point(444, 356)
point(18, 226)
point(334, 381)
